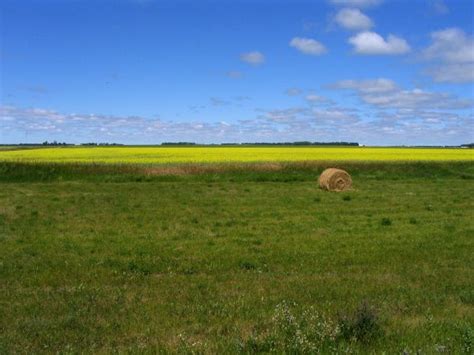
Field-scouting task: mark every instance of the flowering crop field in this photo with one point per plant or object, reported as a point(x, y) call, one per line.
point(169, 155)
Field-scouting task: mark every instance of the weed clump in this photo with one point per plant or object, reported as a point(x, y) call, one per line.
point(311, 332)
point(247, 265)
point(386, 221)
point(468, 340)
point(362, 326)
point(294, 332)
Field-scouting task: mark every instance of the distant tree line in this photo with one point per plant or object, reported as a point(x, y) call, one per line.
point(178, 143)
point(101, 144)
point(265, 143)
point(54, 143)
point(355, 144)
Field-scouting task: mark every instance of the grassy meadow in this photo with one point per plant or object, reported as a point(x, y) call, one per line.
point(236, 258)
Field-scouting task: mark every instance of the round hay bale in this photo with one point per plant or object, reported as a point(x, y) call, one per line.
point(333, 179)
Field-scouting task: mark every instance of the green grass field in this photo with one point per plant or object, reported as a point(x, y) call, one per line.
point(236, 257)
point(172, 155)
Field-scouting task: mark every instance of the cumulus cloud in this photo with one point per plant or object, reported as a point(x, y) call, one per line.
point(371, 43)
point(353, 19)
point(452, 51)
point(384, 93)
point(451, 45)
point(308, 46)
point(356, 3)
point(253, 58)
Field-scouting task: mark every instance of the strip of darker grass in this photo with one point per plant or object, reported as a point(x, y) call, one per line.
point(233, 172)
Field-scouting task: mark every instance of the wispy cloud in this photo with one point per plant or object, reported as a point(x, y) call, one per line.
point(314, 99)
point(36, 89)
point(253, 58)
point(384, 93)
point(440, 7)
point(216, 101)
point(293, 91)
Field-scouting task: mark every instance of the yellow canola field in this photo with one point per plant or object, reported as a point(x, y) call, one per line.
point(169, 155)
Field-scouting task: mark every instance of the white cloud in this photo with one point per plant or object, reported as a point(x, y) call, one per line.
point(283, 115)
point(317, 99)
point(308, 46)
point(384, 93)
point(451, 45)
point(353, 19)
point(356, 3)
point(452, 51)
point(452, 73)
point(387, 125)
point(416, 98)
point(371, 43)
point(253, 58)
point(335, 116)
point(370, 86)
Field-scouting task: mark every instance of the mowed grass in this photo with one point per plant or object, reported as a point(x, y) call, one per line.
point(167, 155)
point(243, 261)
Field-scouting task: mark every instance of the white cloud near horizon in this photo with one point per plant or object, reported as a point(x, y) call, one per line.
point(308, 46)
point(398, 119)
point(452, 51)
point(368, 86)
point(253, 58)
point(353, 19)
point(371, 43)
point(385, 94)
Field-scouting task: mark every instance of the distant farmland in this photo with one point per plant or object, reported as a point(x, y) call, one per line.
point(167, 155)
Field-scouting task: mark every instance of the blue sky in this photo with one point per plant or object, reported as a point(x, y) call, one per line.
point(378, 72)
